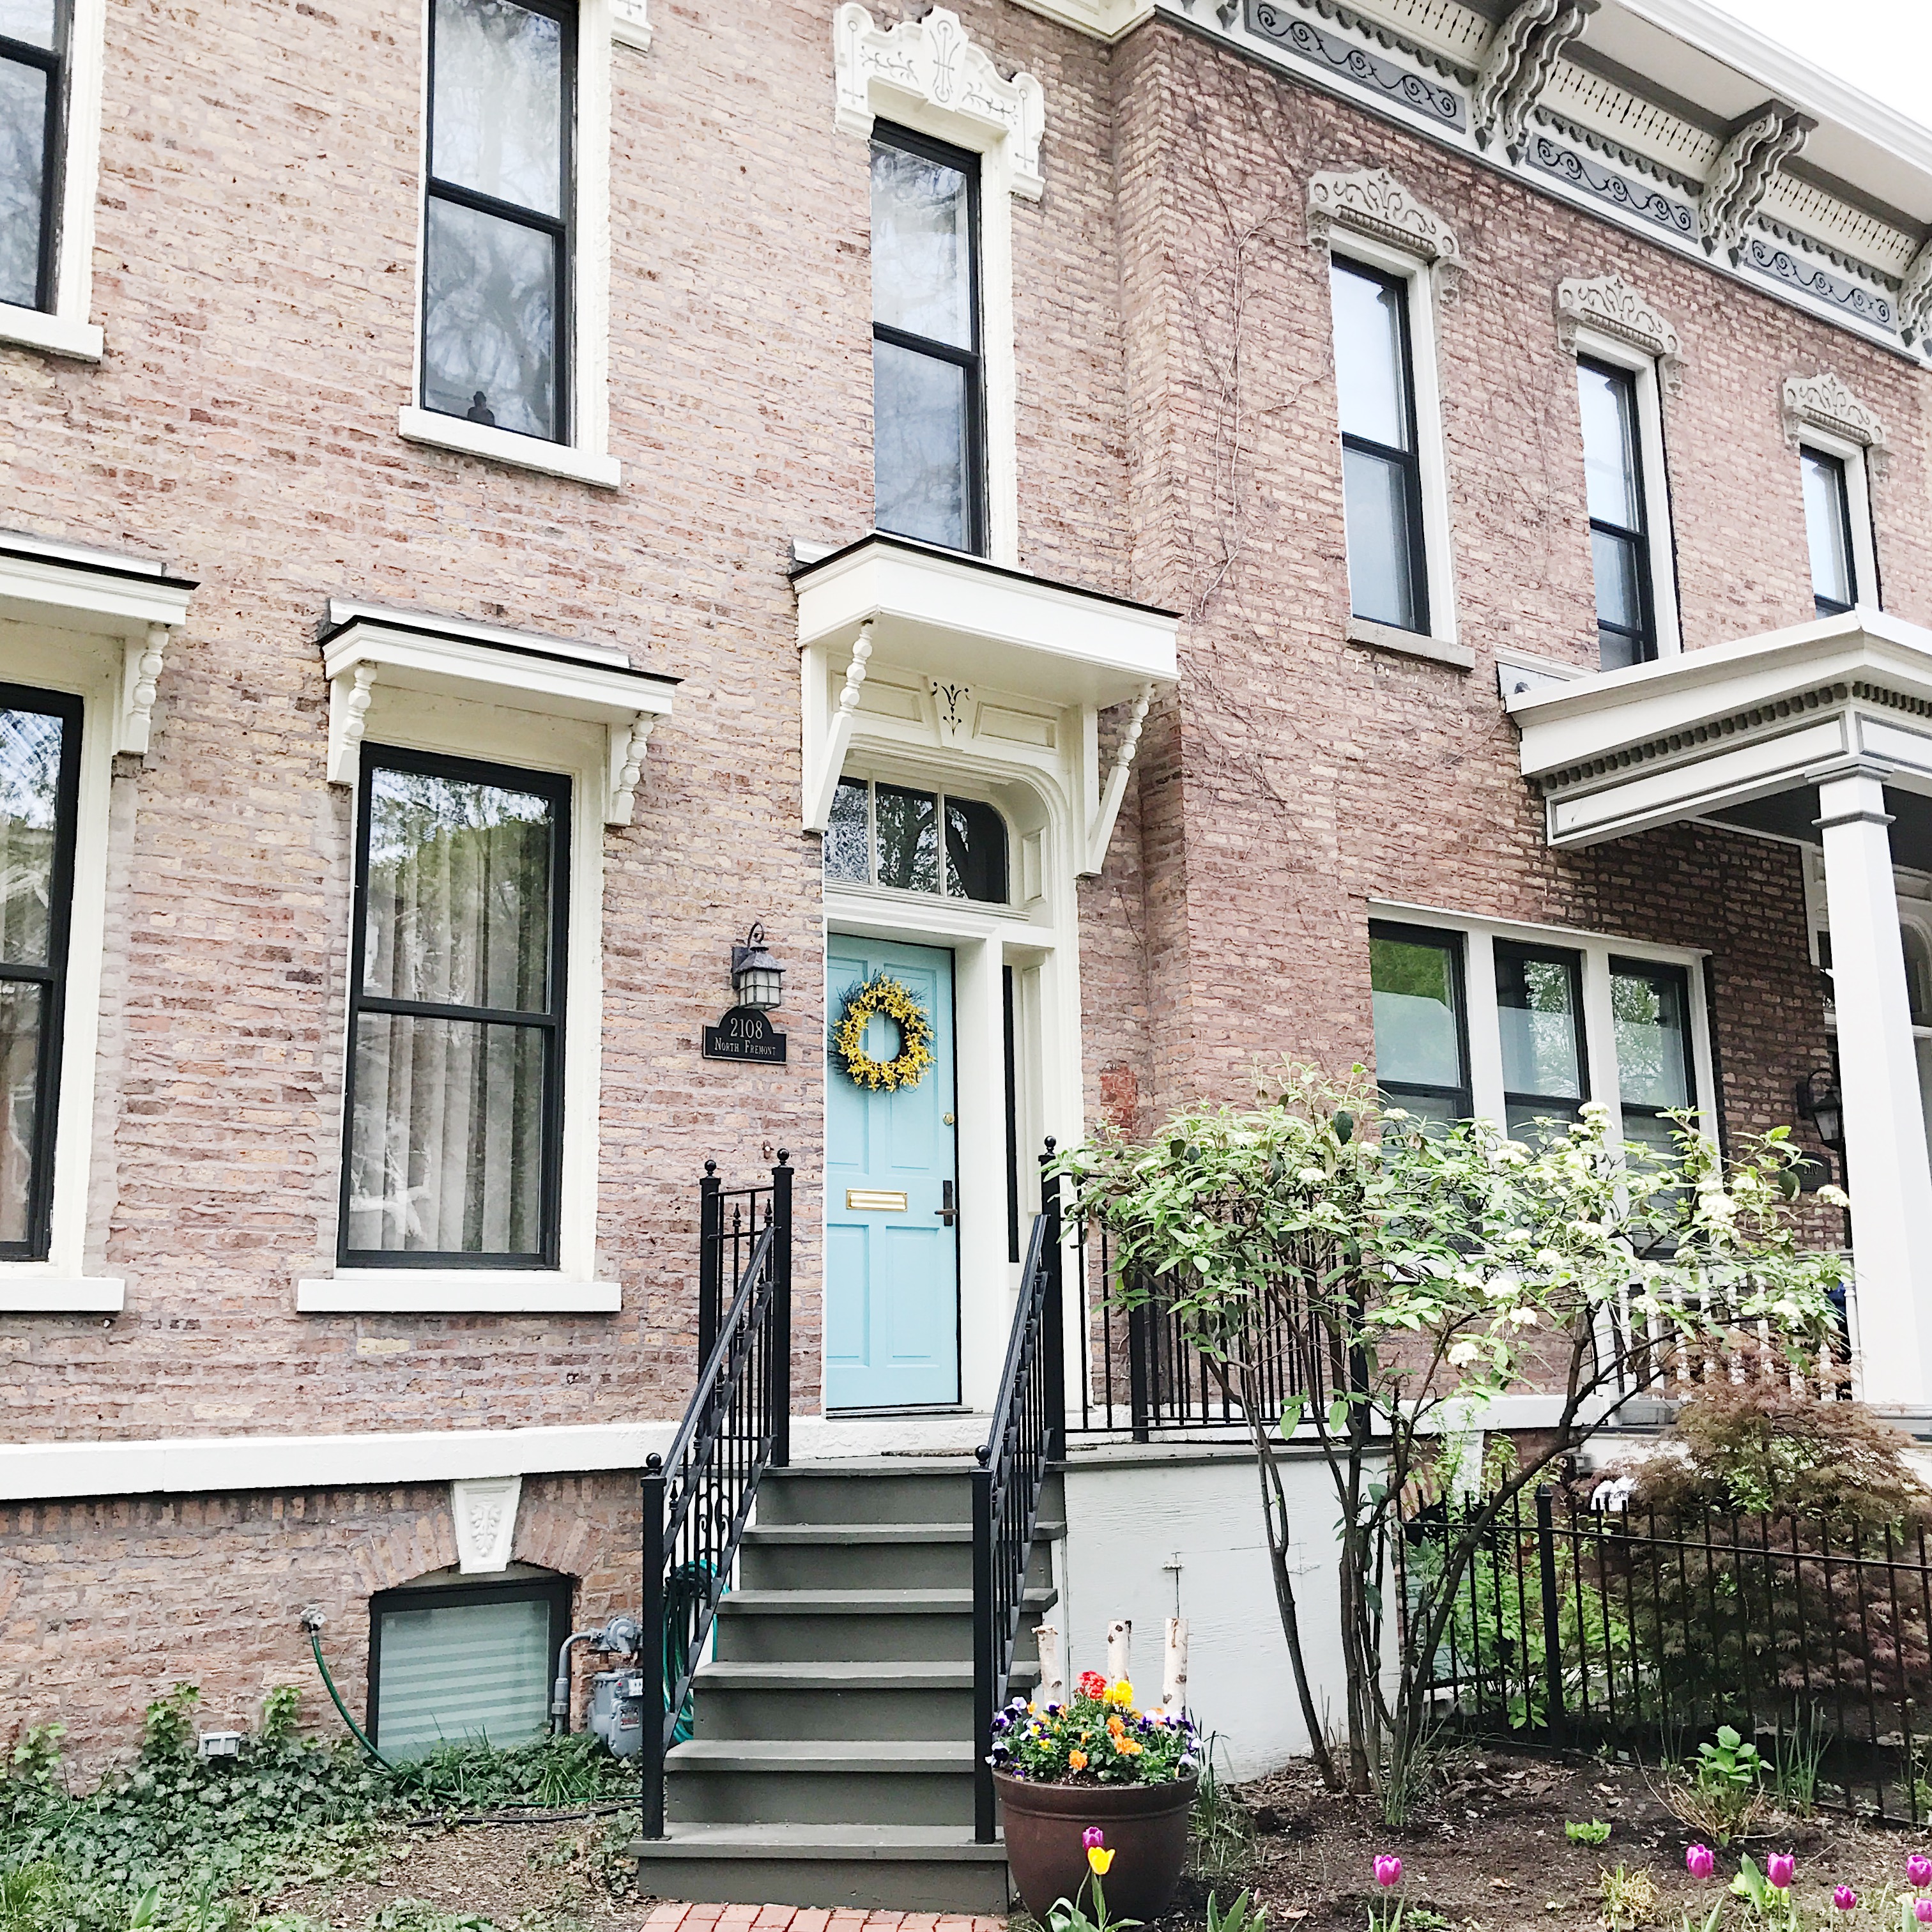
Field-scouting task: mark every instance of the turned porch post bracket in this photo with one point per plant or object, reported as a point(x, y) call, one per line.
point(1100, 834)
point(1887, 1174)
point(823, 783)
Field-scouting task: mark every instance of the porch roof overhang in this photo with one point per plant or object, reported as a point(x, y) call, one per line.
point(949, 615)
point(1742, 733)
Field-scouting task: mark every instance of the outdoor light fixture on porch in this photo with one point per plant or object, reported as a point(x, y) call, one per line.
point(1820, 1102)
point(756, 978)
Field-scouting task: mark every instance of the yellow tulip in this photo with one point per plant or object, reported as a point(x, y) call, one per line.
point(1099, 1859)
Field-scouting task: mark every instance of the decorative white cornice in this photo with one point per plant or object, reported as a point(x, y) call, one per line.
point(1517, 67)
point(1915, 297)
point(631, 25)
point(1609, 304)
point(933, 62)
point(1823, 402)
point(1743, 173)
point(1372, 201)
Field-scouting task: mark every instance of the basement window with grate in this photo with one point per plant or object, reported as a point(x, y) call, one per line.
point(464, 1663)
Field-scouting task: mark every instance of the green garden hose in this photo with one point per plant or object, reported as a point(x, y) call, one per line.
point(335, 1697)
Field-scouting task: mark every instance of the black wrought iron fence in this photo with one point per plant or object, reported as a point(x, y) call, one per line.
point(1578, 1626)
point(1028, 1435)
point(698, 1498)
point(1142, 1373)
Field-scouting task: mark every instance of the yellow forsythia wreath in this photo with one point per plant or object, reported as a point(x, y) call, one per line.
point(883, 994)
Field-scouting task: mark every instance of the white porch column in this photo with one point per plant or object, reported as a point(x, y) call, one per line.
point(1890, 1181)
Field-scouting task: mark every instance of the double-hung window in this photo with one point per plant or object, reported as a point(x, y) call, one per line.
point(1619, 516)
point(455, 1103)
point(1381, 471)
point(1422, 1043)
point(1539, 1019)
point(33, 90)
point(497, 268)
point(929, 401)
point(1828, 529)
point(1650, 1008)
point(39, 779)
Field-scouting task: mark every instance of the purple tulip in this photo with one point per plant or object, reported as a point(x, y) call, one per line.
point(1780, 1869)
point(1093, 1838)
point(1918, 1871)
point(1700, 1861)
point(1844, 1898)
point(1388, 1869)
point(1922, 1911)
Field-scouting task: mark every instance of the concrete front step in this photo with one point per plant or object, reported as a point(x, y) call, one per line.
point(888, 1488)
point(909, 1700)
point(887, 1867)
point(853, 1626)
point(882, 1555)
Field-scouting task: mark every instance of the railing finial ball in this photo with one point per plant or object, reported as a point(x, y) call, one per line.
point(983, 1454)
point(784, 1156)
point(653, 1464)
point(1051, 1143)
point(711, 1167)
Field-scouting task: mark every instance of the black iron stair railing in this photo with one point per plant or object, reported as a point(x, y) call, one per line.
point(1027, 1437)
point(698, 1497)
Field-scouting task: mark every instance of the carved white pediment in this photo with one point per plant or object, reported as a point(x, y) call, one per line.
point(1823, 402)
point(485, 1510)
point(1372, 201)
point(1609, 304)
point(933, 61)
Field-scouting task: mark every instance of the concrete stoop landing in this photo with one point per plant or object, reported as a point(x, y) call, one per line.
point(831, 1762)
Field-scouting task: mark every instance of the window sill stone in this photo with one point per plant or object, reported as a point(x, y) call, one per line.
point(52, 334)
point(455, 1292)
point(1373, 637)
point(503, 445)
point(55, 1294)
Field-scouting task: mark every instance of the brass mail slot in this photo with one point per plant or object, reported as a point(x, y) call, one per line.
point(875, 1200)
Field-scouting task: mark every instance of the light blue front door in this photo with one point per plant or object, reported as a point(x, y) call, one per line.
point(892, 1257)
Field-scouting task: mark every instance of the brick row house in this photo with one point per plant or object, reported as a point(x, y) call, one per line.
point(1177, 532)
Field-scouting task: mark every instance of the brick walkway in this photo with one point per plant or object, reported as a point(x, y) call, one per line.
point(800, 1919)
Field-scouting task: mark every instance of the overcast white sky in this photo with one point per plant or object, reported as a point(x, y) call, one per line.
point(1883, 47)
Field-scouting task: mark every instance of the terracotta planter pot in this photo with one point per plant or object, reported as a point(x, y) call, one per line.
point(1146, 1826)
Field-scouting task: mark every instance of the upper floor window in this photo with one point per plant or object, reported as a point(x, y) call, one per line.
point(917, 841)
point(496, 241)
point(456, 1014)
point(40, 781)
point(1422, 1050)
point(929, 404)
point(1828, 528)
point(1381, 474)
point(33, 60)
point(1619, 519)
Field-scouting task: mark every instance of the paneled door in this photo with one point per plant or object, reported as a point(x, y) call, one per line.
point(892, 1253)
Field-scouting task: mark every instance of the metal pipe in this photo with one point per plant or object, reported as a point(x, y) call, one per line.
point(560, 1692)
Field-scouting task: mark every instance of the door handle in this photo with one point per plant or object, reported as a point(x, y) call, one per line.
point(946, 1211)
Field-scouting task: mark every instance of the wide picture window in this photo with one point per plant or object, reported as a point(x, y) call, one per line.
point(917, 841)
point(40, 752)
point(33, 43)
point(496, 228)
point(928, 430)
point(455, 1080)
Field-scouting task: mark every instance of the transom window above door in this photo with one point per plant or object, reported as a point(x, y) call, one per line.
point(890, 835)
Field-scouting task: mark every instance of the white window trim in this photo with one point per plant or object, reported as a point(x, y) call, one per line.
point(1596, 346)
point(67, 331)
point(1857, 508)
point(540, 703)
point(1420, 278)
point(586, 457)
point(96, 625)
point(1485, 1036)
point(910, 75)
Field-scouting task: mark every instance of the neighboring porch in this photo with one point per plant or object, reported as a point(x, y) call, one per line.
point(1820, 735)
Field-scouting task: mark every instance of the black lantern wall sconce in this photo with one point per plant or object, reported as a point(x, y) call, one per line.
point(1820, 1102)
point(757, 983)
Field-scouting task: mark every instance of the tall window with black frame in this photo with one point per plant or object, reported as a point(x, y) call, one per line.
point(928, 402)
point(33, 94)
point(39, 783)
point(454, 1102)
point(1422, 1034)
point(1619, 528)
point(1827, 529)
point(497, 227)
point(1381, 478)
